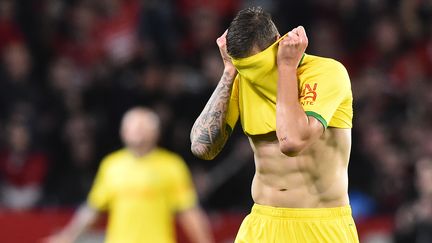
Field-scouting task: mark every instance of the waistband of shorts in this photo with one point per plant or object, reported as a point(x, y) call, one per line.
point(301, 213)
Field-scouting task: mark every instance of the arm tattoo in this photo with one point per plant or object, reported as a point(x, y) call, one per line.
point(210, 131)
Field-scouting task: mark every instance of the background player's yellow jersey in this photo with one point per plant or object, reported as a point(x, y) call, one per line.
point(324, 92)
point(142, 195)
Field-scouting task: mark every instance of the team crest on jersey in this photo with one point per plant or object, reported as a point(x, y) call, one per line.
point(308, 94)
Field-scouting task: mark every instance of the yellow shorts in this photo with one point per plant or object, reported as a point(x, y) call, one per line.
point(267, 224)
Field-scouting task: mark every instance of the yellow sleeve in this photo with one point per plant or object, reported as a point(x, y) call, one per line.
point(99, 195)
point(182, 191)
point(233, 106)
point(321, 95)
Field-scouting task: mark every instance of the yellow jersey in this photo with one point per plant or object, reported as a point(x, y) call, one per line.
point(324, 92)
point(142, 195)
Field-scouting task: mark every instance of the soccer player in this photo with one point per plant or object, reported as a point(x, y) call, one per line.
point(296, 110)
point(142, 187)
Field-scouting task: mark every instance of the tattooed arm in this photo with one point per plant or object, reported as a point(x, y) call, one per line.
point(210, 131)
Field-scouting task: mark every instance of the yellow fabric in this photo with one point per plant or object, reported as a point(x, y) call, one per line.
point(267, 224)
point(233, 105)
point(142, 195)
point(324, 88)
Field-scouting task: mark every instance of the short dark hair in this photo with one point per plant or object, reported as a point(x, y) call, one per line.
point(250, 27)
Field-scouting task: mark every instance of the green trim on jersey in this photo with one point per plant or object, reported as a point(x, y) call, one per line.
point(301, 60)
point(318, 117)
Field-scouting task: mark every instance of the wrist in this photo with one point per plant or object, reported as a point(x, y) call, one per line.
point(287, 68)
point(230, 72)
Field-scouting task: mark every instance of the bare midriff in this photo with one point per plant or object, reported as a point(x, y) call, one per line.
point(316, 178)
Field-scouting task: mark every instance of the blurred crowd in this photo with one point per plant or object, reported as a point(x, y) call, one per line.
point(71, 68)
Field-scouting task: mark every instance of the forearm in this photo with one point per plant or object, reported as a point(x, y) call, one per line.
point(209, 132)
point(81, 221)
point(196, 226)
point(294, 129)
point(292, 123)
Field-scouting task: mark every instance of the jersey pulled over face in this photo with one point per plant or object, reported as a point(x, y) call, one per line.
point(324, 89)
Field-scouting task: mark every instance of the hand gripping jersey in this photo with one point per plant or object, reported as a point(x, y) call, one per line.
point(324, 91)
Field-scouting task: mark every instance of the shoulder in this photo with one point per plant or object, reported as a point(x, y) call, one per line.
point(171, 163)
point(113, 158)
point(329, 64)
point(168, 156)
point(326, 69)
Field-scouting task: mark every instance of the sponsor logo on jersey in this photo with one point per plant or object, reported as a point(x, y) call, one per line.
point(308, 94)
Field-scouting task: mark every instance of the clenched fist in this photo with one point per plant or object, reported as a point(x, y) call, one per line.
point(292, 47)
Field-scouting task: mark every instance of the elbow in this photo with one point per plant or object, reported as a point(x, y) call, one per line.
point(201, 151)
point(291, 144)
point(291, 148)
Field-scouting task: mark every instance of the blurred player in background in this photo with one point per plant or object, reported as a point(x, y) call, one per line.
point(297, 112)
point(143, 188)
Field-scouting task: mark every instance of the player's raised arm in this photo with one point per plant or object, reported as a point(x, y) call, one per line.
point(295, 130)
point(210, 131)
